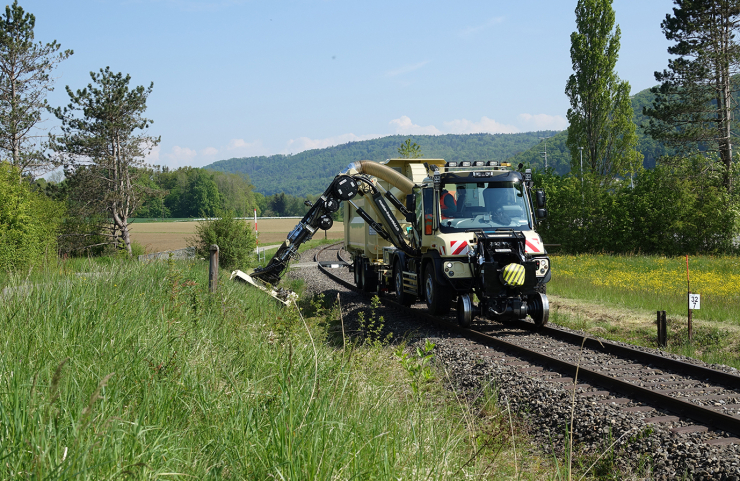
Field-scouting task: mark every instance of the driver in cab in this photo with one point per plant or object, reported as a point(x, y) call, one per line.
point(495, 199)
point(447, 204)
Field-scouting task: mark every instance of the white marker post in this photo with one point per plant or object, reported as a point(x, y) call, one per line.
point(694, 301)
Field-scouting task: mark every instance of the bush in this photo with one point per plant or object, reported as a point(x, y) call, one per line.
point(28, 223)
point(672, 210)
point(234, 238)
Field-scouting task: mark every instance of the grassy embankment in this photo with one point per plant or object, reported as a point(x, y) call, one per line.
point(617, 297)
point(135, 371)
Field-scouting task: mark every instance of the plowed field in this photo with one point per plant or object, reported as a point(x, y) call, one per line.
point(164, 236)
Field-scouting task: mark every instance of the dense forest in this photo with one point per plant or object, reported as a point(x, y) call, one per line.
point(311, 171)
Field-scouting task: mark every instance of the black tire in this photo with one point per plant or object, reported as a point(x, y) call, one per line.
point(369, 277)
point(438, 300)
point(403, 298)
point(358, 271)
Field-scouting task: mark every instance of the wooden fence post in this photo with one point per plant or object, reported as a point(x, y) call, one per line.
point(662, 329)
point(213, 269)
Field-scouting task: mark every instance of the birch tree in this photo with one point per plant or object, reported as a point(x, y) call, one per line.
point(104, 127)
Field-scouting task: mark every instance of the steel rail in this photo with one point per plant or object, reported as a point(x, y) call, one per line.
point(700, 414)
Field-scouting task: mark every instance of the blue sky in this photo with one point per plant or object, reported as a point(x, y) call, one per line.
point(236, 78)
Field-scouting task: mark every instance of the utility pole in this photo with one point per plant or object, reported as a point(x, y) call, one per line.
point(545, 152)
point(581, 149)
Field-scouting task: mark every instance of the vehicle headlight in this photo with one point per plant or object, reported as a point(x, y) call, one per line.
point(543, 265)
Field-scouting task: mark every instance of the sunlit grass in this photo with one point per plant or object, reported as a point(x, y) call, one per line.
point(127, 370)
point(652, 283)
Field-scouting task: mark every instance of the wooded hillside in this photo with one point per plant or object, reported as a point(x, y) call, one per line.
point(311, 171)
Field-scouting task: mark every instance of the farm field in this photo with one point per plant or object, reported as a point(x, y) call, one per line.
point(164, 236)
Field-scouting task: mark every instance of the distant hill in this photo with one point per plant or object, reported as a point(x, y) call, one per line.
point(309, 172)
point(558, 156)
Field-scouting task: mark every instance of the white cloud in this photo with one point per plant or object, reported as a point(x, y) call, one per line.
point(544, 121)
point(485, 125)
point(304, 143)
point(153, 156)
point(404, 126)
point(473, 29)
point(406, 69)
point(179, 156)
point(209, 152)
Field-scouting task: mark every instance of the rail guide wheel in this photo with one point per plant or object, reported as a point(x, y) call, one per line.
point(464, 310)
point(539, 309)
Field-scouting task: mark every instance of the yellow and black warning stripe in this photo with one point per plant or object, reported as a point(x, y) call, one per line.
point(513, 275)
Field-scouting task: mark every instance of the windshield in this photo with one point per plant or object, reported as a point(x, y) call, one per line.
point(483, 205)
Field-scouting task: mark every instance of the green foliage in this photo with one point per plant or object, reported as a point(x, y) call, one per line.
point(371, 326)
point(600, 116)
point(234, 238)
point(103, 126)
point(28, 223)
point(409, 150)
point(311, 171)
point(26, 78)
point(694, 106)
point(194, 192)
point(137, 372)
point(417, 365)
point(671, 210)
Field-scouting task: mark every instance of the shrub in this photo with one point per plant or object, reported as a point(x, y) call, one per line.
point(28, 223)
point(234, 238)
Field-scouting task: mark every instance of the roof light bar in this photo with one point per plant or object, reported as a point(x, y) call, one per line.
point(492, 163)
point(465, 163)
point(479, 163)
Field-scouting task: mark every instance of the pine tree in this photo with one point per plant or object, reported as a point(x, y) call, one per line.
point(694, 103)
point(99, 128)
point(409, 150)
point(600, 116)
point(25, 69)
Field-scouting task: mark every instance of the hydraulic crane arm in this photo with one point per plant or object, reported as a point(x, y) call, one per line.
point(344, 187)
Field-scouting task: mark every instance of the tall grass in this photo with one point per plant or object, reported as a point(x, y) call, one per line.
point(136, 372)
point(651, 282)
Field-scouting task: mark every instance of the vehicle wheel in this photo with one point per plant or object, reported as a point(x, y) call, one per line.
point(438, 301)
point(464, 310)
point(357, 263)
point(539, 309)
point(403, 298)
point(369, 277)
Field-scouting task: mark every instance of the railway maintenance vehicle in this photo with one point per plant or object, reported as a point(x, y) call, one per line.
point(464, 233)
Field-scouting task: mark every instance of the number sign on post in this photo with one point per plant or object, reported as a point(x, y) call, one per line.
point(694, 301)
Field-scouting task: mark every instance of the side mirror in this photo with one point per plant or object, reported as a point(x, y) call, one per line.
point(541, 213)
point(541, 199)
point(411, 202)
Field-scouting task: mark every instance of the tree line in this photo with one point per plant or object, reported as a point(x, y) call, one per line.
point(601, 196)
point(312, 170)
point(687, 203)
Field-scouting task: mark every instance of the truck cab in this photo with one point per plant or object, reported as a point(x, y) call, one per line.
point(471, 227)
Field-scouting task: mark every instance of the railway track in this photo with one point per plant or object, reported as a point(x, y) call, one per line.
point(653, 387)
